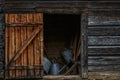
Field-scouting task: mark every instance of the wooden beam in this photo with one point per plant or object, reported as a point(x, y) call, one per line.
point(24, 46)
point(23, 24)
point(84, 45)
point(72, 67)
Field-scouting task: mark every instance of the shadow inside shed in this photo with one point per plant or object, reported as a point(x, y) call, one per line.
point(61, 33)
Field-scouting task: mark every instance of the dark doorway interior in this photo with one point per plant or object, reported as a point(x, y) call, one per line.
point(60, 31)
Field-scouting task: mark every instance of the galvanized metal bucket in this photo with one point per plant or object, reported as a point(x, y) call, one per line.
point(55, 68)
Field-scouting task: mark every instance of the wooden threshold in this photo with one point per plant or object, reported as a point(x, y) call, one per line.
point(62, 77)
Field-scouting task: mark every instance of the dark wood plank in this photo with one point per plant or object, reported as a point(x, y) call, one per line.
point(6, 40)
point(104, 40)
point(84, 55)
point(104, 18)
point(70, 69)
point(108, 50)
point(113, 68)
point(65, 4)
point(103, 60)
point(104, 30)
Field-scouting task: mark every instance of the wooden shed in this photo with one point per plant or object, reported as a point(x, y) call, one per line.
point(32, 30)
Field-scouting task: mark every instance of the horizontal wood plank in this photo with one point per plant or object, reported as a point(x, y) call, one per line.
point(104, 40)
point(103, 60)
point(104, 18)
point(115, 68)
point(104, 30)
point(111, 50)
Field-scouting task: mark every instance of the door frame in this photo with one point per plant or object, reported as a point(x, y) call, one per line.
point(84, 45)
point(84, 42)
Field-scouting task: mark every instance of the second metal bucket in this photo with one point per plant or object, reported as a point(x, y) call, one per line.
point(67, 55)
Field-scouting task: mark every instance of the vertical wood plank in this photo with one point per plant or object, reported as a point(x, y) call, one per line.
point(84, 46)
point(41, 50)
point(30, 47)
point(15, 16)
point(36, 53)
point(41, 42)
point(6, 40)
point(40, 45)
point(33, 47)
point(13, 41)
point(17, 29)
point(12, 48)
point(23, 38)
point(9, 45)
point(75, 46)
point(6, 43)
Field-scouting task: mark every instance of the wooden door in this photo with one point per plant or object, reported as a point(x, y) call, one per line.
point(24, 45)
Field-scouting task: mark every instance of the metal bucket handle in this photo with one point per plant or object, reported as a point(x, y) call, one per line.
point(54, 60)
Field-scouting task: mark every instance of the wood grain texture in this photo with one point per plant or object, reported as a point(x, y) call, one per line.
point(104, 50)
point(84, 53)
point(104, 18)
point(104, 30)
point(103, 60)
point(30, 47)
point(23, 38)
point(23, 47)
point(107, 68)
point(23, 44)
point(18, 43)
point(104, 40)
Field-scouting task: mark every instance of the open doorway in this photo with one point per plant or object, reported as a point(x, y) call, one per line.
point(62, 44)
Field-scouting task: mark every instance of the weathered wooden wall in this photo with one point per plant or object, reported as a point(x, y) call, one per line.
point(104, 41)
point(103, 28)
